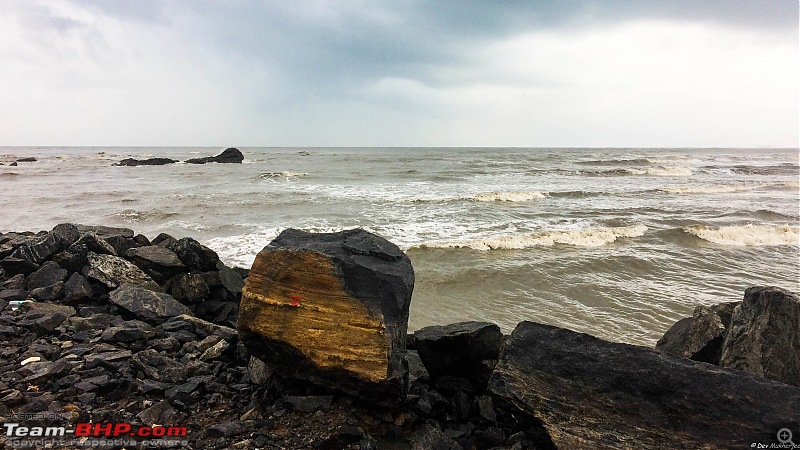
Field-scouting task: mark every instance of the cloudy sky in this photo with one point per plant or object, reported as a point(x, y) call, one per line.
point(590, 73)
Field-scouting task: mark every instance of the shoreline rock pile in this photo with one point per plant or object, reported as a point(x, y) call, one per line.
point(104, 325)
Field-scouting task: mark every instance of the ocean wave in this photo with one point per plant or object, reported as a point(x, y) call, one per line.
point(519, 196)
point(10, 175)
point(135, 216)
point(594, 237)
point(662, 171)
point(610, 162)
point(285, 175)
point(710, 188)
point(749, 235)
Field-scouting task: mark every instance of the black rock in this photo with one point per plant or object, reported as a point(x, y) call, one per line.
point(76, 288)
point(18, 281)
point(66, 233)
point(582, 392)
point(194, 255)
point(188, 288)
point(466, 349)
point(49, 293)
point(161, 413)
point(39, 249)
point(26, 159)
point(146, 304)
point(163, 239)
point(159, 367)
point(145, 162)
point(93, 242)
point(230, 155)
point(105, 232)
point(44, 316)
point(230, 279)
point(18, 265)
point(131, 330)
point(48, 274)
point(342, 437)
point(10, 295)
point(427, 437)
point(226, 429)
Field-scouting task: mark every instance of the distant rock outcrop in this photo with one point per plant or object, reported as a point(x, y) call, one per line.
point(145, 162)
point(230, 155)
point(588, 393)
point(331, 308)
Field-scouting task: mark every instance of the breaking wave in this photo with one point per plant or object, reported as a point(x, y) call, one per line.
point(285, 175)
point(522, 196)
point(594, 237)
point(748, 235)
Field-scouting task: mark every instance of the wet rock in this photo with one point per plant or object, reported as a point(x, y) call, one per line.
point(105, 232)
point(155, 257)
point(76, 288)
point(114, 271)
point(583, 392)
point(699, 338)
point(764, 335)
point(194, 255)
point(309, 403)
point(145, 162)
point(92, 242)
point(66, 234)
point(331, 308)
point(189, 288)
point(26, 159)
point(163, 239)
point(121, 244)
point(229, 155)
point(461, 349)
point(146, 304)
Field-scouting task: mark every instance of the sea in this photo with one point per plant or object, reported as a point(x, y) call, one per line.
point(619, 243)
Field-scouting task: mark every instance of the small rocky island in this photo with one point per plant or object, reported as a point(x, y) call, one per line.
point(309, 349)
point(229, 155)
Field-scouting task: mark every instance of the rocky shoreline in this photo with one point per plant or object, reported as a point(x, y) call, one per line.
point(102, 325)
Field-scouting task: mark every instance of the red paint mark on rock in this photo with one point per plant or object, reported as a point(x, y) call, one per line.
point(295, 300)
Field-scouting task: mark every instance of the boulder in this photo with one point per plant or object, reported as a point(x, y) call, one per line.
point(699, 337)
point(194, 255)
point(114, 271)
point(93, 242)
point(104, 232)
point(49, 293)
point(331, 308)
point(44, 316)
point(39, 249)
point(582, 392)
point(230, 279)
point(764, 335)
point(145, 162)
point(230, 155)
point(145, 304)
point(48, 274)
point(11, 264)
point(76, 288)
point(155, 257)
point(188, 288)
point(466, 349)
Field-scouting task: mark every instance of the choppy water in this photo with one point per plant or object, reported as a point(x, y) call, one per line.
point(619, 243)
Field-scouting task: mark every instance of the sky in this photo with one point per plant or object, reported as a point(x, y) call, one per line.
point(303, 73)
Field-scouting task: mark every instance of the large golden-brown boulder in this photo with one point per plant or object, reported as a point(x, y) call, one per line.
point(331, 308)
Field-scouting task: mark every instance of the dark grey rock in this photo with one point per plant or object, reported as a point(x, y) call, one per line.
point(428, 437)
point(26, 159)
point(163, 239)
point(764, 335)
point(18, 265)
point(229, 155)
point(146, 304)
point(145, 162)
point(342, 437)
point(105, 232)
point(226, 429)
point(155, 257)
point(39, 249)
point(93, 243)
point(485, 408)
point(129, 331)
point(114, 271)
point(700, 337)
point(583, 392)
point(416, 369)
point(230, 279)
point(66, 234)
point(10, 295)
point(18, 281)
point(44, 316)
point(49, 273)
point(309, 403)
point(466, 349)
point(201, 327)
point(161, 413)
point(189, 288)
point(158, 366)
point(77, 288)
point(258, 371)
point(49, 293)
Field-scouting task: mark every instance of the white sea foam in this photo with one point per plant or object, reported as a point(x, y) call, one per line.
point(284, 174)
point(665, 171)
point(710, 188)
point(748, 235)
point(521, 196)
point(593, 237)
